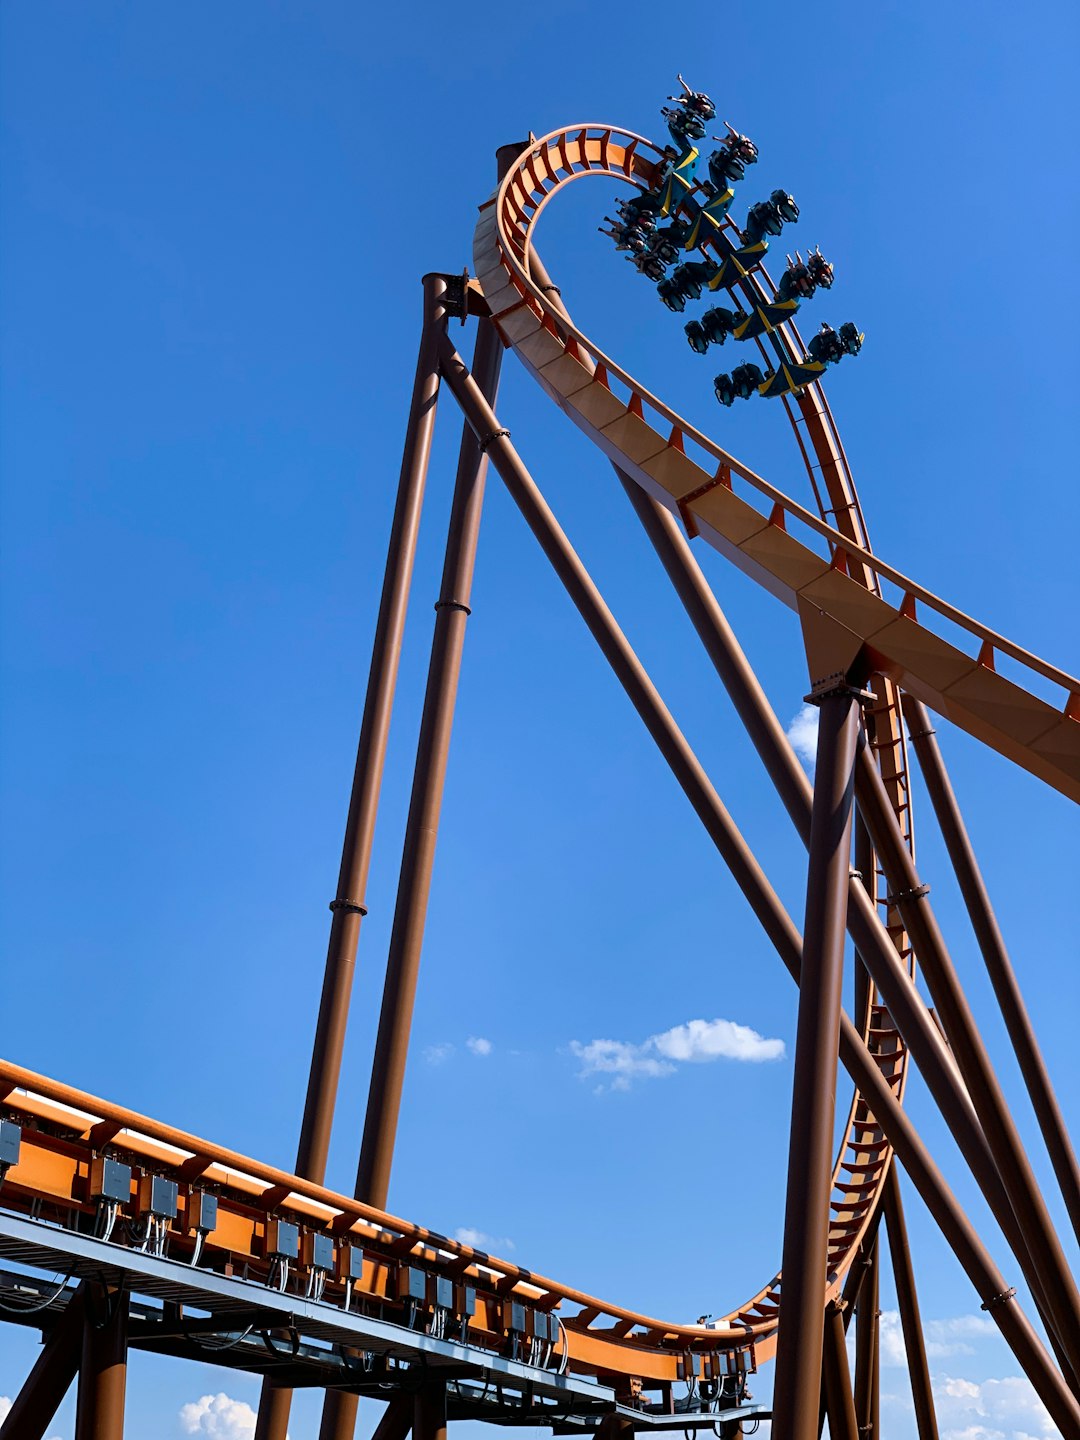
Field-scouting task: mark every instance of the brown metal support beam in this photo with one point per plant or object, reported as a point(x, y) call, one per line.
point(866, 1341)
point(839, 1402)
point(777, 924)
point(1052, 1276)
point(866, 865)
point(429, 1413)
point(996, 957)
point(50, 1378)
point(421, 831)
point(99, 1413)
point(347, 907)
point(909, 1013)
point(908, 1304)
point(396, 1420)
point(406, 942)
point(813, 1102)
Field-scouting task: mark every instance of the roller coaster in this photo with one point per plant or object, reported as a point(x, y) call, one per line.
point(171, 1243)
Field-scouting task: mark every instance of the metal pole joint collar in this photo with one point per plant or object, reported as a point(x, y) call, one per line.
point(351, 907)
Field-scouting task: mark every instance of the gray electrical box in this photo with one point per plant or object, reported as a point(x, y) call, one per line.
point(411, 1284)
point(322, 1252)
point(158, 1197)
point(350, 1263)
point(282, 1240)
point(444, 1292)
point(202, 1211)
point(110, 1180)
point(10, 1140)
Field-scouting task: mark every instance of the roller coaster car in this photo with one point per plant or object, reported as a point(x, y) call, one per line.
point(739, 385)
point(768, 217)
point(802, 277)
point(626, 237)
point(728, 164)
point(829, 346)
point(692, 276)
point(713, 328)
point(695, 334)
point(640, 211)
point(671, 295)
point(684, 126)
point(785, 206)
point(668, 242)
point(685, 283)
point(649, 264)
point(695, 100)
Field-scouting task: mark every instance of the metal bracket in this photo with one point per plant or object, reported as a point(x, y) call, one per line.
point(996, 1300)
point(455, 301)
point(838, 684)
point(353, 907)
point(452, 605)
point(489, 439)
point(918, 893)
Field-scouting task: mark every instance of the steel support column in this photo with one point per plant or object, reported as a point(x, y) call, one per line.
point(839, 1401)
point(421, 832)
point(908, 1304)
point(452, 612)
point(99, 1413)
point(872, 941)
point(996, 957)
point(866, 865)
point(429, 1413)
point(1051, 1271)
point(813, 1101)
point(396, 1420)
point(777, 924)
point(50, 1378)
point(347, 907)
point(866, 1344)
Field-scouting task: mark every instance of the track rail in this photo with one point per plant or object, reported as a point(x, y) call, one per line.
point(64, 1129)
point(917, 640)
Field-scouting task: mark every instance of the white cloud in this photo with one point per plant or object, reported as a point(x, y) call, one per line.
point(1005, 1409)
point(6, 1403)
point(802, 732)
point(620, 1059)
point(480, 1240)
point(702, 1040)
point(218, 1416)
point(944, 1338)
point(696, 1042)
point(478, 1045)
point(437, 1054)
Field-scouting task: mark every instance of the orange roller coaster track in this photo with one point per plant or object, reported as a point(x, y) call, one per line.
point(270, 1271)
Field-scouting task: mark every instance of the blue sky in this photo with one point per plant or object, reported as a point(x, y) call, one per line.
point(214, 220)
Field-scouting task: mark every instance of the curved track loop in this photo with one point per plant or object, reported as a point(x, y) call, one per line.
point(916, 640)
point(533, 329)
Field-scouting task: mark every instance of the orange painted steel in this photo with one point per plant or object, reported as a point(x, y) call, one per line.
point(847, 583)
point(54, 1166)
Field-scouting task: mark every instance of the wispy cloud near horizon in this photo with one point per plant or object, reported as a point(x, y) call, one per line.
point(696, 1042)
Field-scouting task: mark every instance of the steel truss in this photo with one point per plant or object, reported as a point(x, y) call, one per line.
point(600, 1368)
